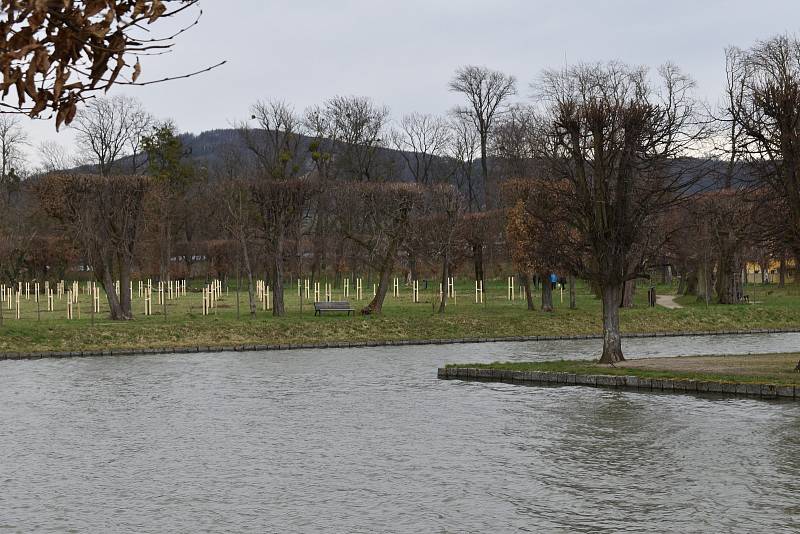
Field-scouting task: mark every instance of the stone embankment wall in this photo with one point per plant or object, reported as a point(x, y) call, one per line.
point(768, 391)
point(352, 344)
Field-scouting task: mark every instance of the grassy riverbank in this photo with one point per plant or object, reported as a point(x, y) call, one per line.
point(183, 326)
point(752, 368)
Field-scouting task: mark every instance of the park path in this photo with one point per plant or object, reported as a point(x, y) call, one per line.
point(667, 301)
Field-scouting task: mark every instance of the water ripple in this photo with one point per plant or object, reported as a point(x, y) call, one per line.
point(369, 440)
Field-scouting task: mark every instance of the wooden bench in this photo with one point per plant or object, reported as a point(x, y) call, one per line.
point(335, 306)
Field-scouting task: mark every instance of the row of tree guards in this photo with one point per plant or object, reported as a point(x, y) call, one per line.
point(13, 295)
point(306, 289)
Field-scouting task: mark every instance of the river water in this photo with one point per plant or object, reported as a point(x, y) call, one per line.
point(368, 440)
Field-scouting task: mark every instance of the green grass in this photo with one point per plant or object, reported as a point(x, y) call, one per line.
point(760, 368)
point(401, 319)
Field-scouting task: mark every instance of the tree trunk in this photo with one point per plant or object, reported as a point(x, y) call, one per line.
point(278, 309)
point(477, 256)
point(114, 308)
point(547, 293)
point(251, 297)
point(484, 168)
point(169, 253)
point(595, 287)
point(376, 304)
point(612, 339)
point(164, 252)
point(796, 272)
point(726, 284)
point(703, 288)
point(445, 276)
point(238, 287)
point(572, 292)
point(668, 275)
point(337, 270)
point(125, 289)
point(412, 265)
point(683, 286)
point(526, 283)
point(627, 294)
point(318, 247)
point(782, 271)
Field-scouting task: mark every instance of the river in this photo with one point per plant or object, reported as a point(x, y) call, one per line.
point(368, 440)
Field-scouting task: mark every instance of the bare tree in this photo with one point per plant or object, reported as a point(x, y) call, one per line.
point(232, 175)
point(764, 107)
point(23, 252)
point(445, 225)
point(375, 217)
point(462, 151)
point(728, 219)
point(238, 220)
point(514, 147)
point(275, 140)
point(103, 215)
point(486, 91)
point(55, 157)
point(109, 129)
point(347, 144)
point(321, 127)
point(279, 193)
point(354, 129)
point(281, 206)
point(422, 140)
point(617, 140)
point(12, 140)
point(514, 143)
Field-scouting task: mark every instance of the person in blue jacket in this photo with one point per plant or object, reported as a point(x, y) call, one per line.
point(553, 279)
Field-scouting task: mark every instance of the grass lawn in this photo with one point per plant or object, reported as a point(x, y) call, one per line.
point(401, 319)
point(752, 368)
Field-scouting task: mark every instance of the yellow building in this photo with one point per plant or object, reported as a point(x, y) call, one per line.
point(753, 270)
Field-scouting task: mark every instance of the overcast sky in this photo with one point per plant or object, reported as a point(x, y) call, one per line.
point(402, 53)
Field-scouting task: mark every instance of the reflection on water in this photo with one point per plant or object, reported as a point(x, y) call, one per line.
point(369, 440)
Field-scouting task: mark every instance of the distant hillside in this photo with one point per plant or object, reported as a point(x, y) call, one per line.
point(210, 148)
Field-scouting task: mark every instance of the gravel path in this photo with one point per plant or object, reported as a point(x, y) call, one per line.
point(668, 301)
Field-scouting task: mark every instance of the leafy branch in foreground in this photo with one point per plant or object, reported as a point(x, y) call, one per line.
point(56, 54)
